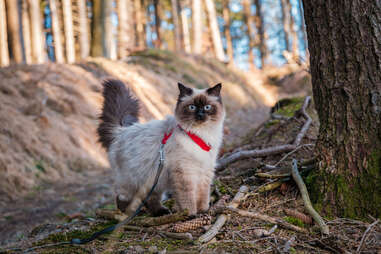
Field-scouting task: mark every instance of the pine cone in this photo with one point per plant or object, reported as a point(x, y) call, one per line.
point(204, 219)
point(296, 214)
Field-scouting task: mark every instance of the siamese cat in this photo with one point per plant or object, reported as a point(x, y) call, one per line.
point(193, 136)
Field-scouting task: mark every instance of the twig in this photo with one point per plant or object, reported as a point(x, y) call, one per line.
point(222, 218)
point(306, 199)
point(179, 236)
point(366, 234)
point(293, 151)
point(267, 218)
point(307, 124)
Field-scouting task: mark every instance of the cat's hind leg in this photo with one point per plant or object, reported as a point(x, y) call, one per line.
point(154, 205)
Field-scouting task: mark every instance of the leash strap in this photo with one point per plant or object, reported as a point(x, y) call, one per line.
point(127, 220)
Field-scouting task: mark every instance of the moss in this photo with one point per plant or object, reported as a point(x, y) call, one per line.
point(294, 221)
point(287, 107)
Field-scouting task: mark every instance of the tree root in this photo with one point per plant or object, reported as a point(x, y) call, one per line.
point(222, 218)
point(307, 202)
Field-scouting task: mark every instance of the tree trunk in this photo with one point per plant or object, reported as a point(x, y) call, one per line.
point(285, 22)
point(157, 24)
point(14, 33)
point(303, 27)
point(38, 42)
point(4, 55)
point(68, 27)
point(125, 29)
point(139, 24)
point(293, 32)
point(96, 29)
point(175, 18)
point(185, 27)
point(25, 23)
point(250, 33)
point(57, 40)
point(216, 35)
point(345, 47)
point(109, 47)
point(228, 37)
point(260, 28)
point(83, 29)
point(197, 26)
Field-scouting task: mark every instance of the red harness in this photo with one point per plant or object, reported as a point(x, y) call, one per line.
point(201, 143)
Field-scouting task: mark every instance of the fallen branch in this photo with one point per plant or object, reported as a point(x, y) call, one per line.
point(306, 199)
point(244, 154)
point(222, 218)
point(267, 218)
point(179, 236)
point(365, 235)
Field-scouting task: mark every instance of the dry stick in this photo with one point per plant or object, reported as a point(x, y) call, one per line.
point(223, 162)
point(222, 218)
point(365, 235)
point(179, 236)
point(306, 199)
point(267, 218)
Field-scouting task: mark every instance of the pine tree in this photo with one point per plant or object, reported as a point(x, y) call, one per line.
point(38, 42)
point(4, 55)
point(14, 30)
point(57, 40)
point(216, 35)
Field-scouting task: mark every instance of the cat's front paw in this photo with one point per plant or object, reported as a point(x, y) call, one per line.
point(161, 211)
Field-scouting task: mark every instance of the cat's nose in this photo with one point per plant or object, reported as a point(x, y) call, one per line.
point(200, 115)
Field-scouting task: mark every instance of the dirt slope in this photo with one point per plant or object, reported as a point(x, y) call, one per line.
point(48, 113)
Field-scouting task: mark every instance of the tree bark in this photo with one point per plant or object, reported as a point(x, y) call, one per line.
point(157, 24)
point(14, 32)
point(345, 47)
point(38, 42)
point(4, 55)
point(176, 23)
point(185, 27)
point(260, 28)
point(57, 40)
point(197, 26)
point(139, 24)
point(216, 35)
point(228, 37)
point(83, 29)
point(250, 33)
point(25, 23)
point(96, 29)
point(68, 27)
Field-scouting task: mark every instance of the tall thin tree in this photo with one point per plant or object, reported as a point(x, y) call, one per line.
point(292, 29)
point(84, 29)
point(228, 38)
point(285, 22)
point(38, 42)
point(57, 40)
point(157, 23)
point(4, 55)
point(125, 30)
point(248, 17)
point(25, 21)
point(139, 24)
point(109, 46)
point(176, 23)
point(14, 31)
point(96, 29)
point(68, 27)
point(197, 26)
point(185, 27)
point(216, 35)
point(261, 32)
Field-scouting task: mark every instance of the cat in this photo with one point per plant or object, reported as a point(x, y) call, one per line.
point(193, 139)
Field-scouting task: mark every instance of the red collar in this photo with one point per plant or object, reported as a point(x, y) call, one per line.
point(201, 143)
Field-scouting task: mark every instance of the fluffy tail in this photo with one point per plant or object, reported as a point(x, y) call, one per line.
point(120, 108)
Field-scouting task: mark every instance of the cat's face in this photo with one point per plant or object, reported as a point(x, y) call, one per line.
point(195, 107)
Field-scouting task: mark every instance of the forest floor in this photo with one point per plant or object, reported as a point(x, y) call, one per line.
point(72, 195)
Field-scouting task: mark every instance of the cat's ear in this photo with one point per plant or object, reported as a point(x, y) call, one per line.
point(215, 90)
point(184, 91)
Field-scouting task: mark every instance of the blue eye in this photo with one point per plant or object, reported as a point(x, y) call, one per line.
point(192, 107)
point(207, 107)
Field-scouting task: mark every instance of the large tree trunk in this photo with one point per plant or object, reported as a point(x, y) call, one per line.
point(57, 40)
point(216, 35)
point(228, 37)
point(14, 32)
point(197, 26)
point(83, 29)
point(96, 29)
point(248, 17)
point(185, 27)
point(176, 23)
point(345, 47)
point(25, 23)
point(157, 24)
point(260, 28)
point(38, 42)
point(4, 55)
